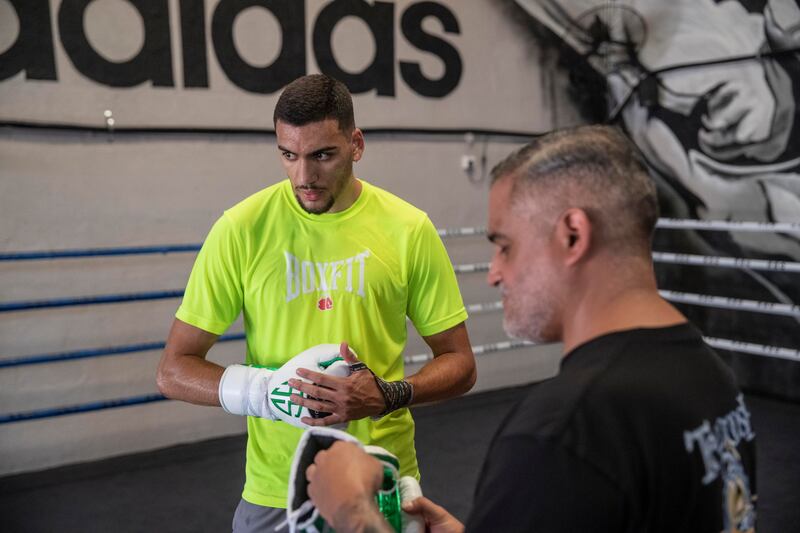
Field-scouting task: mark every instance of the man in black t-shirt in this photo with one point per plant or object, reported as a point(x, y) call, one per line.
point(644, 428)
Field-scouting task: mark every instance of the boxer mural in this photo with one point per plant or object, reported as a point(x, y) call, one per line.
point(708, 90)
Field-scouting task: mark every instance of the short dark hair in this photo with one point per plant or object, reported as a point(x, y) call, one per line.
point(314, 98)
point(596, 168)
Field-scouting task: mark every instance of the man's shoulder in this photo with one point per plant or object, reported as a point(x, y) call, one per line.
point(256, 205)
point(399, 208)
point(549, 408)
point(652, 360)
point(657, 380)
point(545, 409)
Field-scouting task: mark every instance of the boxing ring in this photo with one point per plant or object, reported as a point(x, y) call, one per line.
point(740, 345)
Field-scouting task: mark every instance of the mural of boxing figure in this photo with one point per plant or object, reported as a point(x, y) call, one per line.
point(708, 90)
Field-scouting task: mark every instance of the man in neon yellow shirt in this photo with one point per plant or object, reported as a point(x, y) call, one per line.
point(321, 257)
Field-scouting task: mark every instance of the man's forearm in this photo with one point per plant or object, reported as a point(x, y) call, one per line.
point(452, 371)
point(190, 379)
point(447, 376)
point(183, 372)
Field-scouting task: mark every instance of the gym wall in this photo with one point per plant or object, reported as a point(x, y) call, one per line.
point(132, 124)
point(135, 123)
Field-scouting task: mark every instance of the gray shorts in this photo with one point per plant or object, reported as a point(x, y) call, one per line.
point(251, 518)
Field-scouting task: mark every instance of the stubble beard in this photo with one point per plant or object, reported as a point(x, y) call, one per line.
point(316, 210)
point(528, 312)
point(338, 187)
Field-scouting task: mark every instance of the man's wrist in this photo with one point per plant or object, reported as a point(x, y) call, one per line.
point(396, 394)
point(363, 516)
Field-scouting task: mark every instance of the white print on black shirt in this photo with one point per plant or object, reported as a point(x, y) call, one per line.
point(732, 428)
point(311, 277)
point(717, 446)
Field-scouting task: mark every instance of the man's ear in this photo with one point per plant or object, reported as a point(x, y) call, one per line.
point(574, 234)
point(358, 144)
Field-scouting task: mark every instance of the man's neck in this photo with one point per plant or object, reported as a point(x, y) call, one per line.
point(348, 196)
point(606, 308)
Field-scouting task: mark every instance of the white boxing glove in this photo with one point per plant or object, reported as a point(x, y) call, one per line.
point(323, 358)
point(263, 392)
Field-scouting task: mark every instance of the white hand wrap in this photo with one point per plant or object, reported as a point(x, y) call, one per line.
point(243, 391)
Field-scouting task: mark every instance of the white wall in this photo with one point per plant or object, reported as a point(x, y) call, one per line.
point(86, 190)
point(59, 192)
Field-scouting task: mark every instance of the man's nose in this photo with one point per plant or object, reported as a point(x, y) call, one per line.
point(493, 277)
point(306, 172)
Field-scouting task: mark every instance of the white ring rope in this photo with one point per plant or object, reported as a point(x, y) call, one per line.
point(479, 349)
point(474, 309)
point(756, 349)
point(682, 259)
point(673, 223)
point(728, 225)
point(721, 302)
point(469, 268)
point(726, 262)
point(460, 232)
point(722, 344)
point(704, 300)
point(485, 307)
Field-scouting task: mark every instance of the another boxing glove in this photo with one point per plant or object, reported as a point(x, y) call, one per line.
point(303, 517)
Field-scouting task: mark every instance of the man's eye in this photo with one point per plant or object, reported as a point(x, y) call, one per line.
point(288, 155)
point(323, 156)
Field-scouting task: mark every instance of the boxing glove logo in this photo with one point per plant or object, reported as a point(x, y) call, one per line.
point(280, 397)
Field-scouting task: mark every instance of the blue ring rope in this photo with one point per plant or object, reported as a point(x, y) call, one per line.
point(98, 252)
point(7, 307)
point(92, 406)
point(98, 352)
point(80, 408)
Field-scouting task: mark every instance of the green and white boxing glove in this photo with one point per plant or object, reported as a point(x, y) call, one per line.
point(265, 392)
point(323, 358)
point(394, 492)
point(303, 517)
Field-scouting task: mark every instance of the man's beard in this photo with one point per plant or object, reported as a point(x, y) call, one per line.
point(527, 314)
point(316, 211)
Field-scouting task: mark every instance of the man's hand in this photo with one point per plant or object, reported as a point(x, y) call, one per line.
point(351, 398)
point(343, 481)
point(437, 519)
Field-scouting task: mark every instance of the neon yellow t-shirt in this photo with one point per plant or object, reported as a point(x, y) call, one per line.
point(303, 280)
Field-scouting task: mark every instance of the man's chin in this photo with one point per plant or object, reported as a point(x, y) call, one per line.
point(317, 208)
point(517, 332)
point(512, 332)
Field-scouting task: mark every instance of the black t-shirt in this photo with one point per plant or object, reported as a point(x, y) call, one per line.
point(642, 431)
